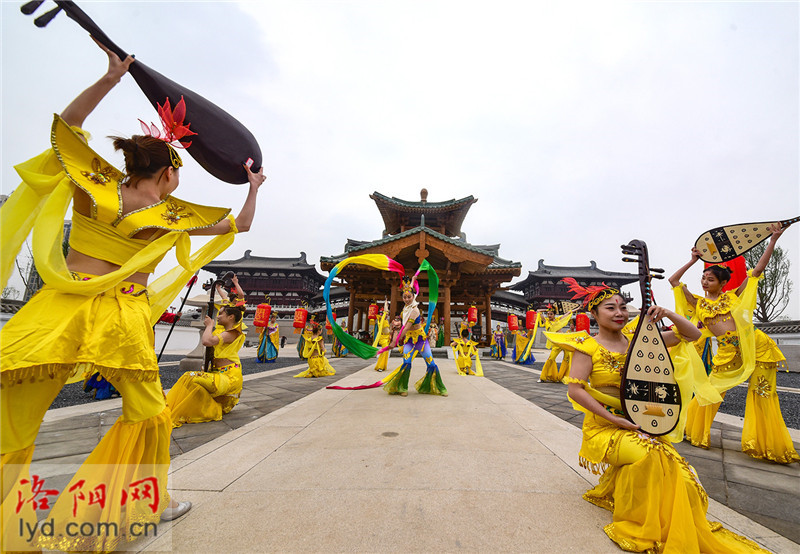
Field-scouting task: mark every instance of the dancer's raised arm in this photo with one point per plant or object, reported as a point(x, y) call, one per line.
point(78, 110)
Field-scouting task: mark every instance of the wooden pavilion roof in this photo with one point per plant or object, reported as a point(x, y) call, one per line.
point(400, 215)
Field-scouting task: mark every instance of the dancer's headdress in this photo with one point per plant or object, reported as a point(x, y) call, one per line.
point(410, 285)
point(174, 129)
point(590, 296)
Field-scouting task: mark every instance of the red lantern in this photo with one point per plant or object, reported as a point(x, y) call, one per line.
point(530, 319)
point(300, 317)
point(472, 315)
point(263, 311)
point(513, 323)
point(582, 322)
point(372, 312)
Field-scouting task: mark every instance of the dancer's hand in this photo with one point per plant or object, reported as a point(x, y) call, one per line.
point(777, 230)
point(625, 424)
point(255, 179)
point(208, 321)
point(116, 67)
point(695, 254)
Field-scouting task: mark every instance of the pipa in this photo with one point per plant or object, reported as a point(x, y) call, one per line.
point(722, 244)
point(649, 393)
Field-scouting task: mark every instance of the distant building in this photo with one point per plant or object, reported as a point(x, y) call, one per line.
point(543, 286)
point(469, 274)
point(288, 282)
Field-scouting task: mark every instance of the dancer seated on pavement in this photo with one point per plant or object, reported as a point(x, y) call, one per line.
point(205, 395)
point(314, 351)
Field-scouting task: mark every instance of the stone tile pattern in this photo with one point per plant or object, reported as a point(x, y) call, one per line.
point(765, 492)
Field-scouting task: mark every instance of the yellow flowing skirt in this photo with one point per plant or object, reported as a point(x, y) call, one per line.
point(657, 501)
point(205, 396)
point(318, 366)
point(764, 434)
point(551, 372)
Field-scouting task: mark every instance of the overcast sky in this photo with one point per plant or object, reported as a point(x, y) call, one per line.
point(577, 126)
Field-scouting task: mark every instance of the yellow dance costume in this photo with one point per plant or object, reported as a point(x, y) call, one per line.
point(464, 350)
point(742, 354)
point(205, 396)
point(550, 371)
point(657, 500)
point(383, 338)
point(83, 323)
point(318, 365)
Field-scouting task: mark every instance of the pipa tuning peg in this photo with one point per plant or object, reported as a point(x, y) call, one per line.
point(43, 20)
point(657, 270)
point(657, 276)
point(630, 260)
point(31, 7)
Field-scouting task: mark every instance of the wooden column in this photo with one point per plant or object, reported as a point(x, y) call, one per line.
point(360, 318)
point(446, 302)
point(393, 300)
point(488, 300)
point(351, 310)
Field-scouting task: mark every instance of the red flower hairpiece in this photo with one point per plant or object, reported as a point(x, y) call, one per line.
point(172, 121)
point(591, 294)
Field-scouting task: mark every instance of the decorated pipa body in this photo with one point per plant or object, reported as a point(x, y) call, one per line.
point(649, 393)
point(723, 244)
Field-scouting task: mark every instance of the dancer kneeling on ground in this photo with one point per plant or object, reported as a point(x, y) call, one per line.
point(463, 350)
point(314, 351)
point(96, 313)
point(656, 498)
point(205, 395)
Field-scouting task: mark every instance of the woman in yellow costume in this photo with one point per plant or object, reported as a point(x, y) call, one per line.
point(269, 341)
point(383, 337)
point(95, 313)
point(314, 352)
point(414, 341)
point(463, 350)
point(550, 371)
point(658, 503)
point(205, 395)
point(743, 353)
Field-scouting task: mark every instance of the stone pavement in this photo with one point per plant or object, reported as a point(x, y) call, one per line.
point(484, 469)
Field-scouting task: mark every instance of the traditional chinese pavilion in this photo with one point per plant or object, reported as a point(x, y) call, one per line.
point(415, 231)
point(288, 282)
point(542, 286)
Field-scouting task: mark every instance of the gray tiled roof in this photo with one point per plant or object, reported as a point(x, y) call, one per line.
point(353, 247)
point(589, 273)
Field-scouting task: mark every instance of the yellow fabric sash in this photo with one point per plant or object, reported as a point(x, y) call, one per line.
point(742, 314)
point(40, 204)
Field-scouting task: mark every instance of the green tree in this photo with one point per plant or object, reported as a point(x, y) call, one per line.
point(776, 287)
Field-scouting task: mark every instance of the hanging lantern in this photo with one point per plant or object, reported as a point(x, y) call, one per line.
point(472, 316)
point(582, 322)
point(513, 322)
point(530, 319)
point(263, 311)
point(372, 313)
point(300, 317)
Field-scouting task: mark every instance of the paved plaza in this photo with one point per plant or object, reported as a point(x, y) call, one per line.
point(493, 467)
